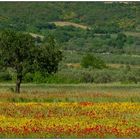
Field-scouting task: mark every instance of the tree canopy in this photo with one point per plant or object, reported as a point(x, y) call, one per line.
point(93, 62)
point(19, 52)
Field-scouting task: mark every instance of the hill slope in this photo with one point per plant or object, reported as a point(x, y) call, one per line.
point(105, 22)
point(31, 14)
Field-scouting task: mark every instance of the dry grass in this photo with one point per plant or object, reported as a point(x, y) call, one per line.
point(73, 65)
point(135, 34)
point(121, 65)
point(64, 23)
point(36, 35)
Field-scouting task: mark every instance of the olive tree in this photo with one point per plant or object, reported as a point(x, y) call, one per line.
point(19, 52)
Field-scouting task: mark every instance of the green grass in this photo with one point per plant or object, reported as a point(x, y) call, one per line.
point(114, 92)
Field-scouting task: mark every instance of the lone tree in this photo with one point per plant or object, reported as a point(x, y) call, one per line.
point(19, 52)
point(89, 60)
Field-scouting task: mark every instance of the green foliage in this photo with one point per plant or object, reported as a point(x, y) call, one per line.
point(107, 17)
point(104, 76)
point(5, 76)
point(48, 57)
point(36, 60)
point(120, 40)
point(107, 28)
point(28, 77)
point(73, 76)
point(120, 59)
point(38, 78)
point(93, 62)
point(19, 52)
point(16, 52)
point(100, 18)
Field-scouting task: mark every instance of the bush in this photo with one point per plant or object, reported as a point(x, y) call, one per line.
point(65, 77)
point(93, 62)
point(87, 77)
point(104, 76)
point(5, 76)
point(130, 76)
point(38, 78)
point(28, 77)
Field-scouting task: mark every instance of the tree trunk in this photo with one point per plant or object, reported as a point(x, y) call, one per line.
point(18, 82)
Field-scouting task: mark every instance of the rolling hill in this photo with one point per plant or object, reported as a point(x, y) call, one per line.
point(31, 14)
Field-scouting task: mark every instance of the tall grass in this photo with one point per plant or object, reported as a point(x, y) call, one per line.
point(72, 93)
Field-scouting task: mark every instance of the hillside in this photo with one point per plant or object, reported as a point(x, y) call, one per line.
point(108, 30)
point(78, 26)
point(29, 14)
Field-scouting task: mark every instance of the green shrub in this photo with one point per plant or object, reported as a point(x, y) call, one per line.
point(130, 76)
point(38, 78)
point(87, 77)
point(65, 77)
point(5, 76)
point(28, 77)
point(104, 76)
point(93, 62)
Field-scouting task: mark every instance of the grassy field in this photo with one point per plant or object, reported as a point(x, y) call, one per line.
point(72, 93)
point(70, 111)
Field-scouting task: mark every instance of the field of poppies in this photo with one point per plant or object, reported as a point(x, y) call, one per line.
point(70, 120)
point(67, 118)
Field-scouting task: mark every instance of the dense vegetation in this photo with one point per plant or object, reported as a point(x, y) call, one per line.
point(109, 31)
point(90, 61)
point(104, 22)
point(100, 14)
point(19, 52)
